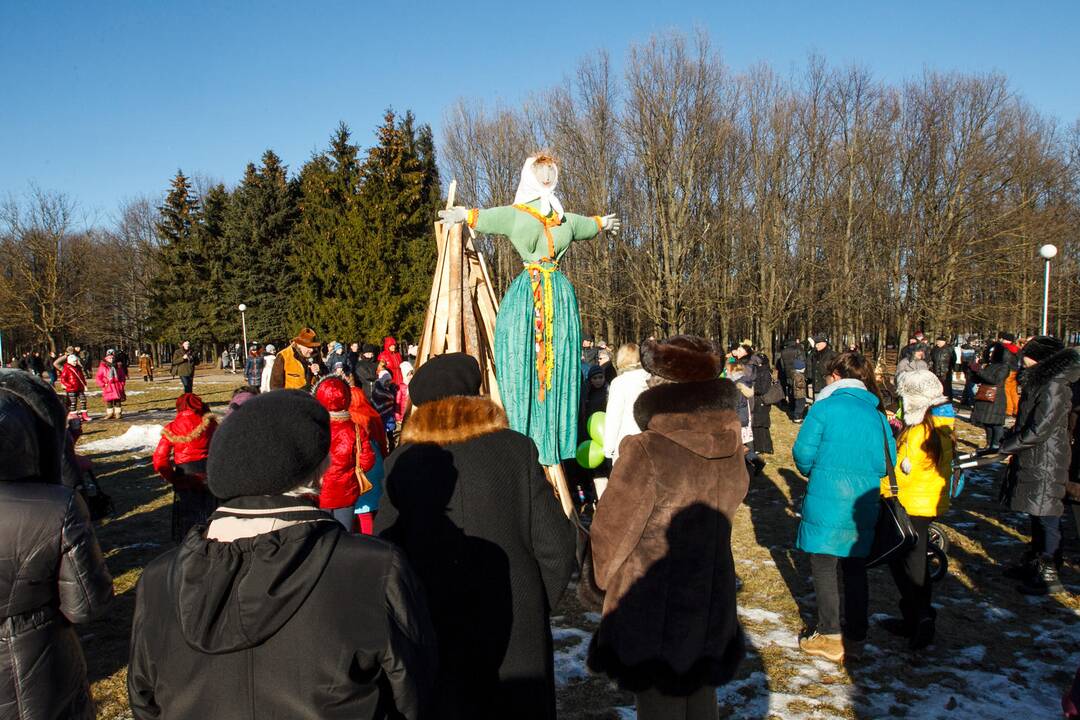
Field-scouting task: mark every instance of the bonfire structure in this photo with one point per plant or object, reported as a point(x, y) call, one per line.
point(537, 328)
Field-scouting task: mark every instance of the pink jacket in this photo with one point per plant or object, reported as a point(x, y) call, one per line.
point(402, 402)
point(111, 389)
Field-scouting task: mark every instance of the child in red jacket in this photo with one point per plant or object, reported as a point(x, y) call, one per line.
point(180, 458)
point(73, 379)
point(351, 454)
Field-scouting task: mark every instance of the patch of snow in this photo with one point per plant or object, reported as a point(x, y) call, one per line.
point(760, 615)
point(993, 612)
point(570, 660)
point(593, 617)
point(974, 654)
point(137, 437)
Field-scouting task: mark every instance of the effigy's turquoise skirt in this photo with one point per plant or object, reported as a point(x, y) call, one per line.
point(545, 409)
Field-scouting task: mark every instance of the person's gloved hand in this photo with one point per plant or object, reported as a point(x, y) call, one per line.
point(611, 223)
point(454, 215)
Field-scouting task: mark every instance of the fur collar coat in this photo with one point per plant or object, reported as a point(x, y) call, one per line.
point(661, 543)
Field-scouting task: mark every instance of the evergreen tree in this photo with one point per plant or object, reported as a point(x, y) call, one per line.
point(173, 304)
point(398, 201)
point(259, 231)
point(219, 322)
point(330, 271)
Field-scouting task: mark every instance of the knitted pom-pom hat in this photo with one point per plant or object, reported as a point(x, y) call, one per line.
point(920, 390)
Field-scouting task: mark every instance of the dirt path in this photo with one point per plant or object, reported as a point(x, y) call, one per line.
point(998, 653)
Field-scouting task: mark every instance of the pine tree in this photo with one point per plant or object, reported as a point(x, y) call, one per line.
point(259, 232)
point(330, 273)
point(173, 303)
point(397, 203)
point(219, 320)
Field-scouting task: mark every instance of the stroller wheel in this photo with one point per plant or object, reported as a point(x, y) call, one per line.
point(936, 536)
point(937, 563)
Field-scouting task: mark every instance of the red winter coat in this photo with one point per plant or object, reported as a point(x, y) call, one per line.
point(72, 378)
point(392, 360)
point(340, 485)
point(111, 389)
point(186, 439)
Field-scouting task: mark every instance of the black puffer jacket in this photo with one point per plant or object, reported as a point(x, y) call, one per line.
point(304, 621)
point(1039, 442)
point(52, 574)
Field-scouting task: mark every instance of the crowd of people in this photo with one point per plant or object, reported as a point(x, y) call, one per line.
point(348, 523)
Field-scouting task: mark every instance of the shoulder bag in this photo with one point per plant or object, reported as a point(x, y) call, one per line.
point(894, 534)
point(986, 393)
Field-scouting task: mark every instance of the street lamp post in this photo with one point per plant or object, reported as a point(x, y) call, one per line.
point(1047, 252)
point(243, 325)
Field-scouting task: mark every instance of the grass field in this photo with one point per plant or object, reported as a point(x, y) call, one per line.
point(998, 654)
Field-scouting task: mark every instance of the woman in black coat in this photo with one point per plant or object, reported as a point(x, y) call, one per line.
point(1040, 446)
point(761, 420)
point(468, 501)
point(53, 574)
point(990, 414)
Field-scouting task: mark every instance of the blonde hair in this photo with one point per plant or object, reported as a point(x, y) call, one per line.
point(627, 357)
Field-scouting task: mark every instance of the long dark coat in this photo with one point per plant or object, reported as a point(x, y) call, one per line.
point(467, 500)
point(1040, 442)
point(661, 543)
point(820, 365)
point(994, 373)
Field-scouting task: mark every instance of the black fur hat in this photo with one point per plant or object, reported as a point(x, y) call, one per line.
point(682, 358)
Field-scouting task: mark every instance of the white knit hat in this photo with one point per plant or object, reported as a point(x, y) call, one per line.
point(920, 391)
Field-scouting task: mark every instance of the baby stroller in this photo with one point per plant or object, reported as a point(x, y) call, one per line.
point(937, 542)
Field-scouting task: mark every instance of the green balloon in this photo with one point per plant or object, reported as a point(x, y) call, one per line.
point(590, 454)
point(595, 426)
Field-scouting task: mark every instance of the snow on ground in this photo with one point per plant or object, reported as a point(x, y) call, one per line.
point(879, 682)
point(129, 393)
point(137, 437)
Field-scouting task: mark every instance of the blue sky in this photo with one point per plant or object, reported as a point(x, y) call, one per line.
point(105, 100)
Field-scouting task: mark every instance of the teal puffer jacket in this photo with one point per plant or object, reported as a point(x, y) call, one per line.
point(841, 449)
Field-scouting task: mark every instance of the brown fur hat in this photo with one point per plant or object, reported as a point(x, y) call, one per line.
point(682, 358)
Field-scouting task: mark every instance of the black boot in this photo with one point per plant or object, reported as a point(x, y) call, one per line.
point(1025, 569)
point(1045, 580)
point(896, 626)
point(924, 634)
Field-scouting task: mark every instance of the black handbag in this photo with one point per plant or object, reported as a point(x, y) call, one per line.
point(894, 534)
point(774, 395)
point(588, 592)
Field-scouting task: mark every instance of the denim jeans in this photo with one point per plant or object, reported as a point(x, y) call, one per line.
point(827, 590)
point(186, 381)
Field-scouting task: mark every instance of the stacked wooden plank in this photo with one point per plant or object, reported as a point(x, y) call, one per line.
point(462, 306)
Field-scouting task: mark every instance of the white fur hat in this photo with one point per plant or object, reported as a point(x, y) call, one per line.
point(920, 391)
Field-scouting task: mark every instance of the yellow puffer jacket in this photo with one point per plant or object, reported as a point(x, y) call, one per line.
point(924, 492)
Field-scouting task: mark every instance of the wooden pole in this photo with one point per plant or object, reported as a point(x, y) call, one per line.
point(454, 253)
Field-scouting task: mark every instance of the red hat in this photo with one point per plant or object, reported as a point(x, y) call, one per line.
point(333, 394)
point(191, 401)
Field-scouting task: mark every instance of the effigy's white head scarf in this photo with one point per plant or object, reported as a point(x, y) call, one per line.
point(530, 189)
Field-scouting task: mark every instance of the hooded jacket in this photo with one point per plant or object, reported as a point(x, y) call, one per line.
point(52, 572)
point(391, 359)
point(841, 450)
point(1039, 442)
point(661, 543)
point(467, 500)
point(184, 440)
point(300, 622)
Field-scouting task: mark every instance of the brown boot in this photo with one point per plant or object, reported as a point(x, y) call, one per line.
point(830, 647)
